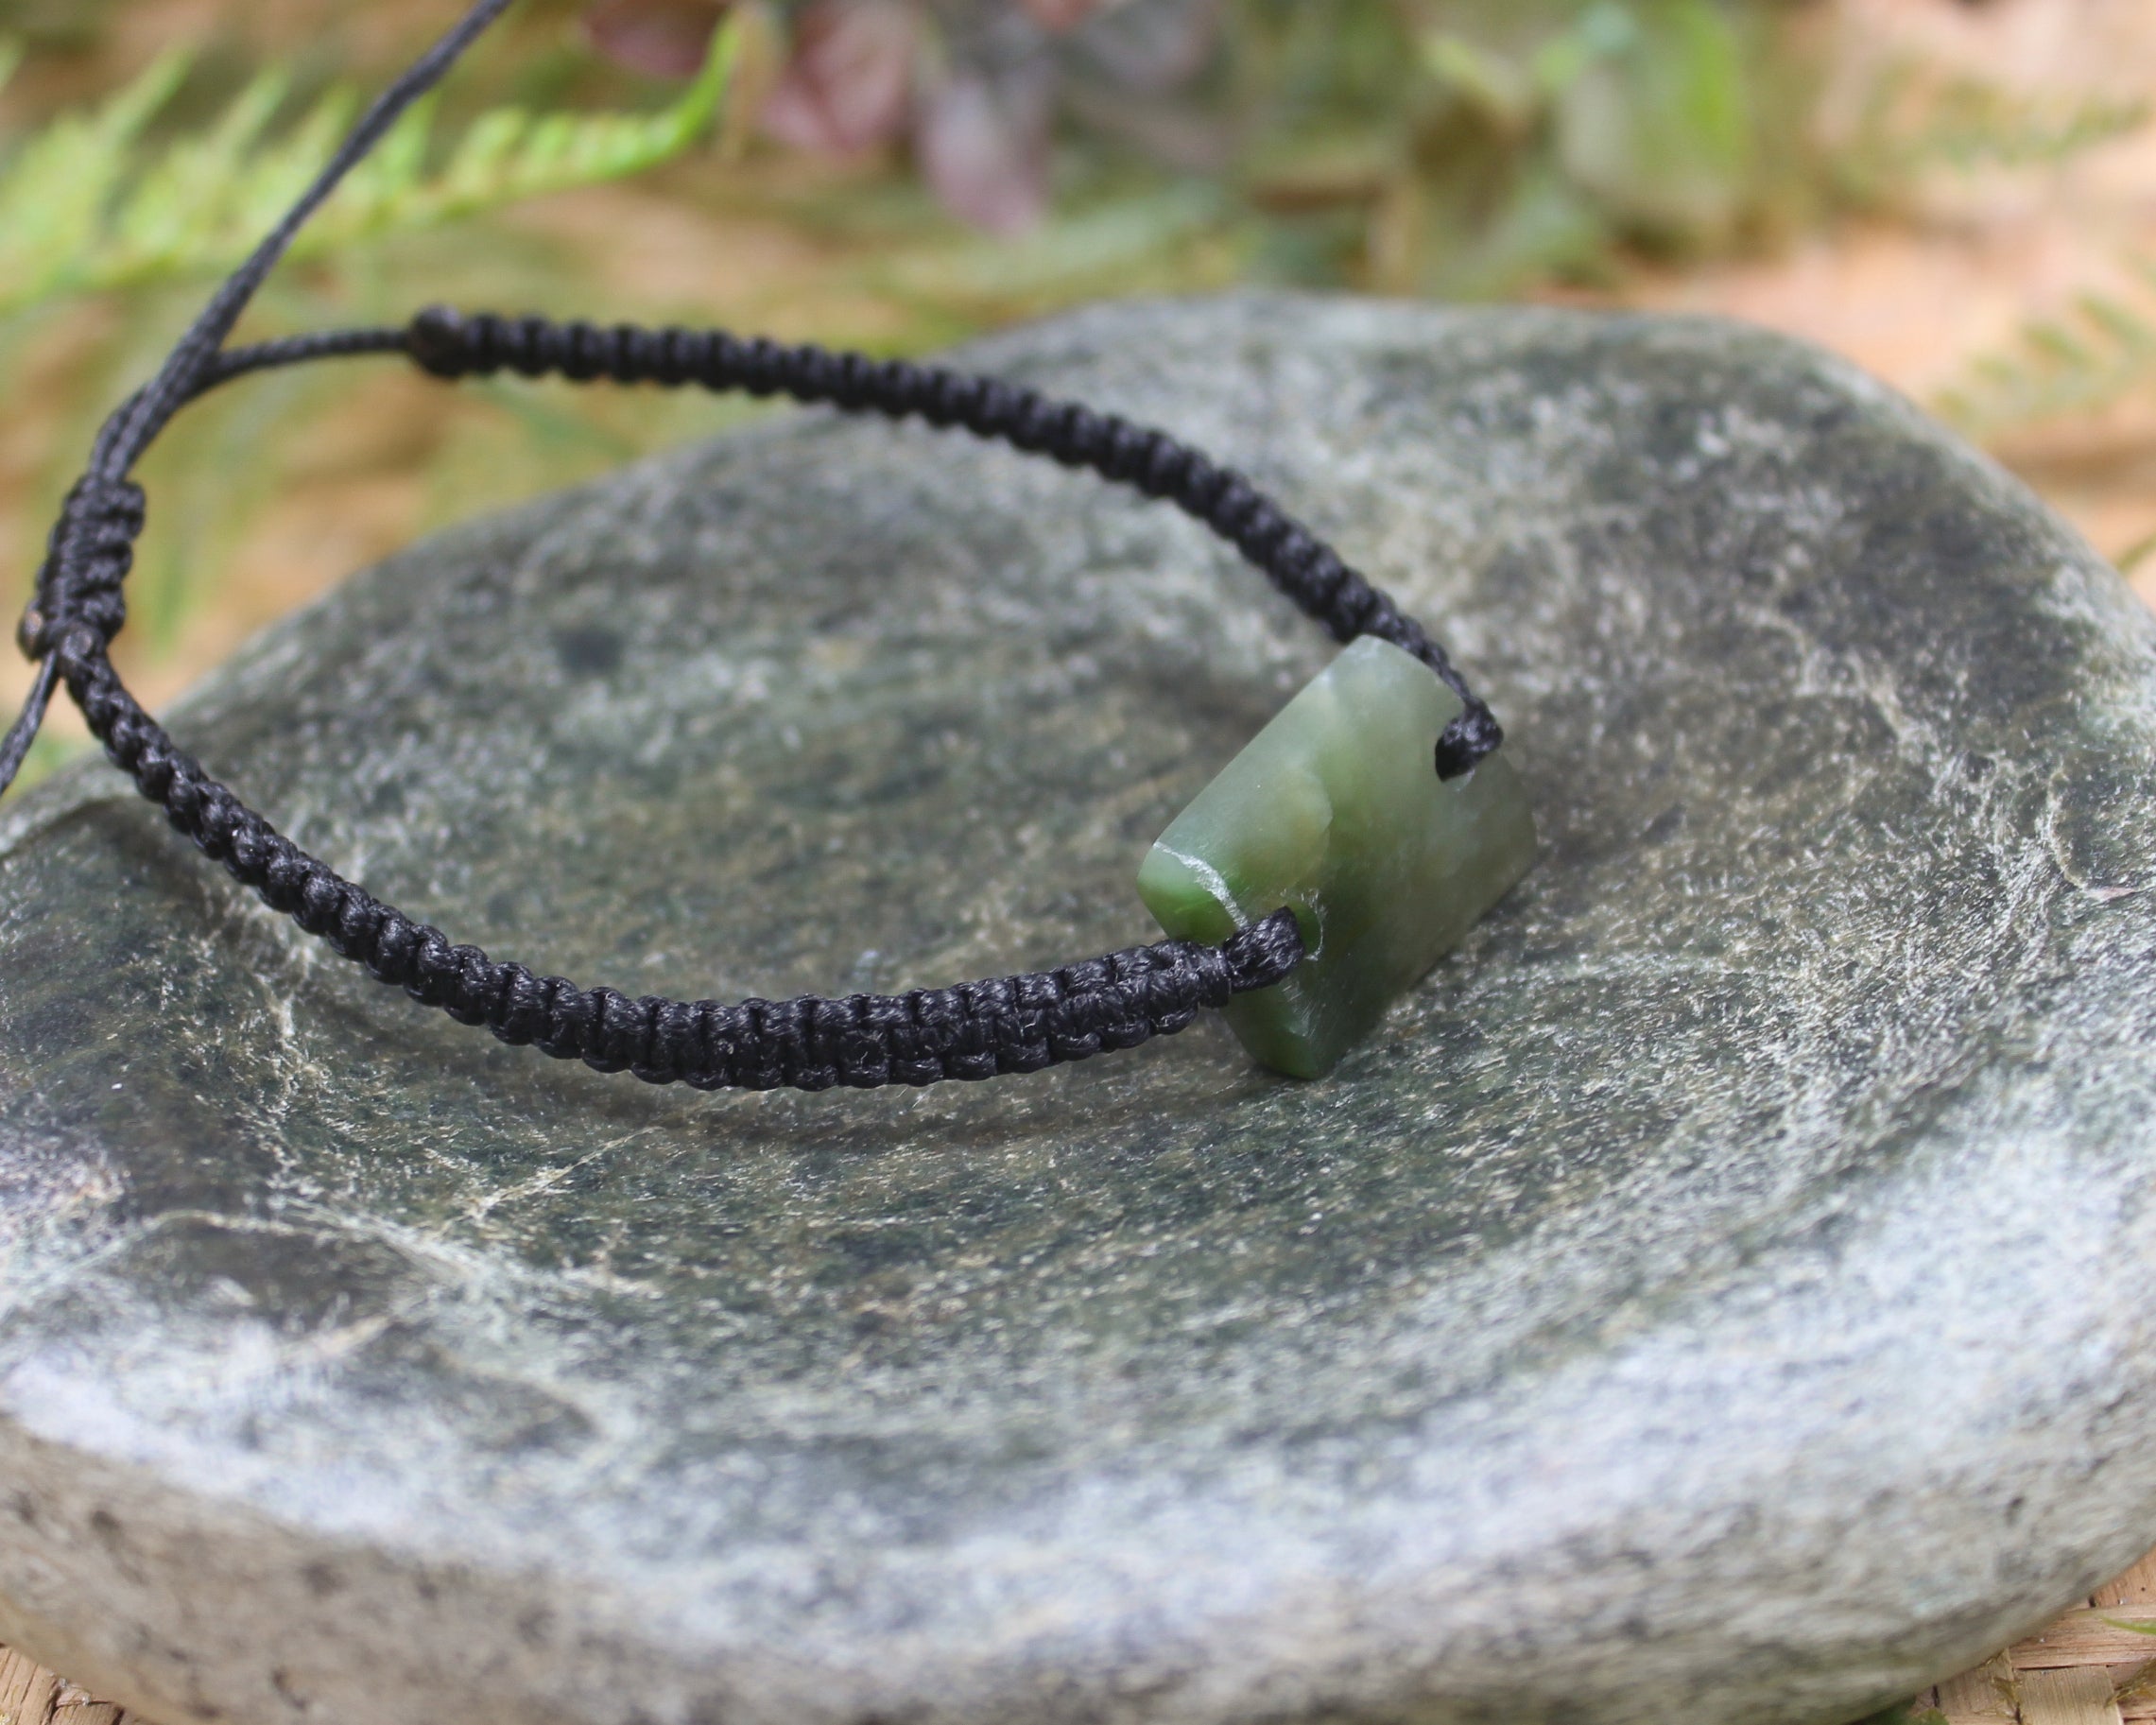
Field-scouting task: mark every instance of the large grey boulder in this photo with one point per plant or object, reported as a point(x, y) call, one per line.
point(1713, 1294)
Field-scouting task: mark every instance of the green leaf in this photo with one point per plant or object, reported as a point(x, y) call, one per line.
point(1505, 95)
point(2115, 321)
point(84, 207)
point(2098, 352)
point(59, 183)
point(1660, 133)
point(2125, 563)
point(1915, 121)
point(1604, 31)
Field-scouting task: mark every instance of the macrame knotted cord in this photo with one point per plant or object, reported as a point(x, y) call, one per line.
point(974, 1030)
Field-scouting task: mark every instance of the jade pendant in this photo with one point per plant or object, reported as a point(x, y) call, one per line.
point(1336, 809)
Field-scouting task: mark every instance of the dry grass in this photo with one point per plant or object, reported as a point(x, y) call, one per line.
point(2085, 1670)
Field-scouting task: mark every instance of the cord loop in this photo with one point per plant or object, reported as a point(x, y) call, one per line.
point(972, 1031)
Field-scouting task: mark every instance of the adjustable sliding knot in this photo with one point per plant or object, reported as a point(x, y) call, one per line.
point(440, 342)
point(447, 344)
point(87, 560)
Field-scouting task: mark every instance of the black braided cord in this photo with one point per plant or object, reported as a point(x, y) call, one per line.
point(1303, 566)
point(974, 1030)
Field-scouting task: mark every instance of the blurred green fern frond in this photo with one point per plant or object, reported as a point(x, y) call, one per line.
point(87, 205)
point(2100, 351)
point(1914, 123)
point(1971, 124)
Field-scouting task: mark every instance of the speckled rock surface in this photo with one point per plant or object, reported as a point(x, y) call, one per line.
point(1719, 1293)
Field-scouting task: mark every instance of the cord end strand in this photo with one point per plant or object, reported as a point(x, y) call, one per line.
point(15, 747)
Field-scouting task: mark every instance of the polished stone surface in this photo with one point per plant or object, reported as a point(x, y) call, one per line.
point(1335, 810)
point(1718, 1291)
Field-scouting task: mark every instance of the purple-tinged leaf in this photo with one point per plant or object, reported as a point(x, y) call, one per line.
point(983, 145)
point(1061, 16)
point(848, 84)
point(667, 38)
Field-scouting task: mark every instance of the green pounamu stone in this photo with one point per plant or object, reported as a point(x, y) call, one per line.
point(1335, 808)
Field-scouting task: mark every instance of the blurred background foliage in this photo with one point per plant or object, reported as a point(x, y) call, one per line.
point(898, 174)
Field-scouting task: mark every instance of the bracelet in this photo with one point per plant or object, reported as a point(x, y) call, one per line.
point(1325, 870)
